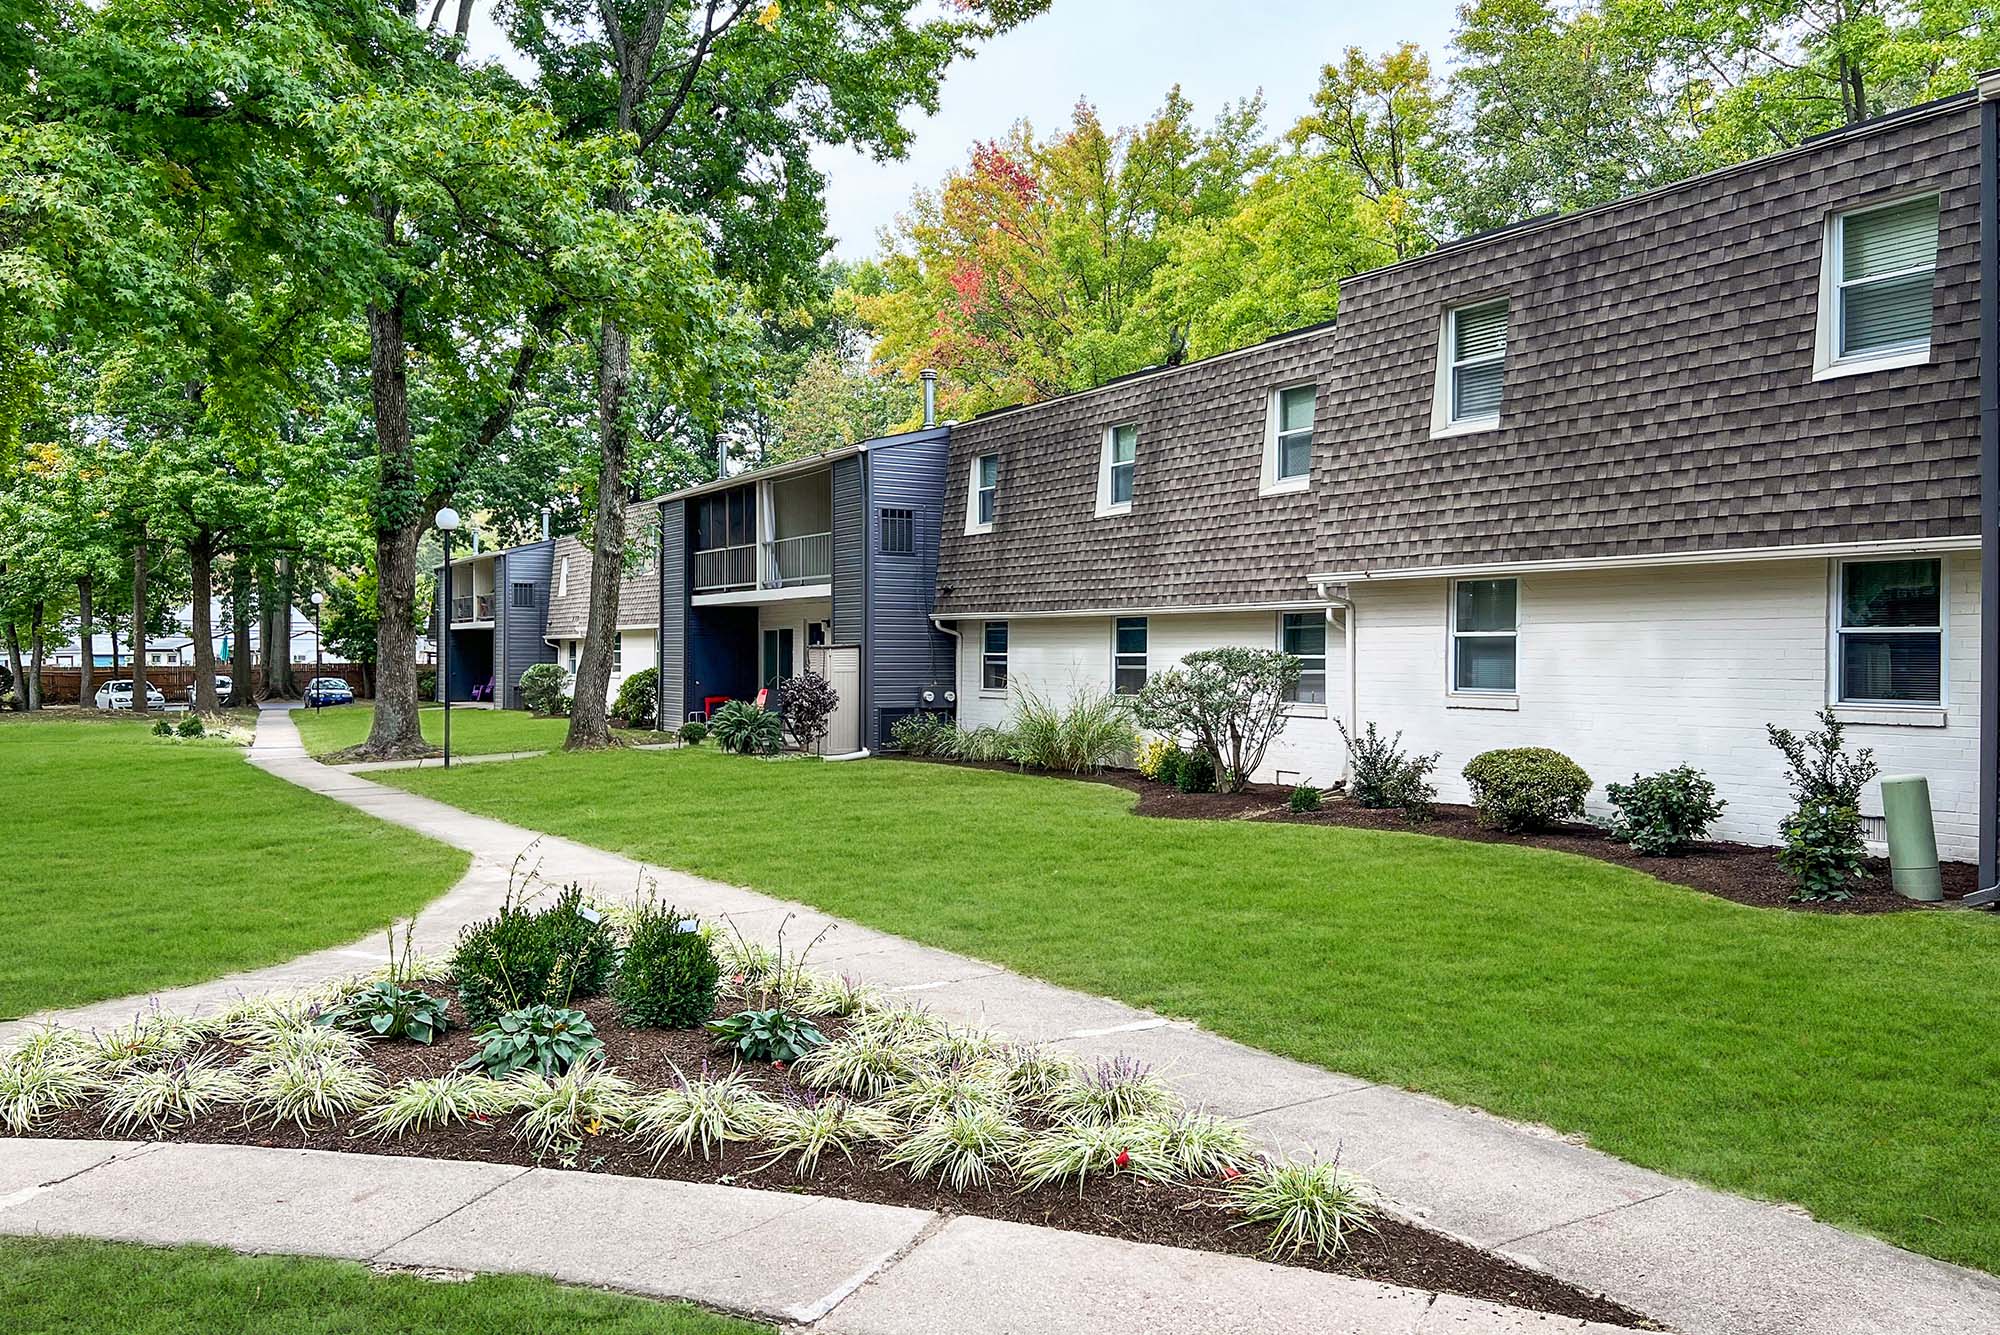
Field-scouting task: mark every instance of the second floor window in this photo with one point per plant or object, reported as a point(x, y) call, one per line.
point(1121, 462)
point(1476, 361)
point(985, 490)
point(1289, 460)
point(523, 594)
point(993, 657)
point(1485, 629)
point(1884, 264)
point(1128, 656)
point(1890, 639)
point(562, 580)
point(1303, 636)
point(899, 532)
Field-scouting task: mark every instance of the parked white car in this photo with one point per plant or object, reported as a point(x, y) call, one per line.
point(118, 695)
point(222, 688)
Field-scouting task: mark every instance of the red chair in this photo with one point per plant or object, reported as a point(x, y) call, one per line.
point(711, 703)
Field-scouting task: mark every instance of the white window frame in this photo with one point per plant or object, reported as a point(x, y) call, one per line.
point(1836, 631)
point(1325, 657)
point(987, 658)
point(1443, 422)
point(562, 579)
point(1454, 634)
point(1105, 505)
point(617, 652)
point(1273, 484)
point(1828, 363)
point(1141, 660)
point(973, 491)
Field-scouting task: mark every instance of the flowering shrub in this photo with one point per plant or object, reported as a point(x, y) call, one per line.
point(1230, 701)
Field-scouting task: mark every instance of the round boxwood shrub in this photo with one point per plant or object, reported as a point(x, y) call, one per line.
point(525, 957)
point(638, 701)
point(543, 687)
point(668, 976)
point(1526, 788)
point(189, 726)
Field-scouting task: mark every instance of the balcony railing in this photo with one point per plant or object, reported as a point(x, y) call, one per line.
point(722, 569)
point(805, 559)
point(478, 607)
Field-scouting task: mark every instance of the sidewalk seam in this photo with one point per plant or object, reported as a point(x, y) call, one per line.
point(1584, 1218)
point(448, 1214)
point(813, 1313)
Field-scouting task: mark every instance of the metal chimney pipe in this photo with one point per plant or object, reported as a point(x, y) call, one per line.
point(929, 377)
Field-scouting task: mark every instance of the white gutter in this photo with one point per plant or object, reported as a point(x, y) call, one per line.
point(1726, 556)
point(1346, 605)
point(1177, 609)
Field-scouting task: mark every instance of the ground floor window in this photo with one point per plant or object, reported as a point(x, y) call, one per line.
point(1303, 636)
point(618, 651)
point(1485, 624)
point(1889, 639)
point(993, 657)
point(1128, 656)
point(571, 646)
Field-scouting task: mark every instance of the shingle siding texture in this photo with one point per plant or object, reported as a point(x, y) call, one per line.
point(1198, 533)
point(638, 594)
point(1659, 392)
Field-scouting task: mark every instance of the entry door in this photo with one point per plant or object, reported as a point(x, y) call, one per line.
point(841, 666)
point(777, 655)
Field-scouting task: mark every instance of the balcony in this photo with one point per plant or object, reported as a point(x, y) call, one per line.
point(726, 569)
point(479, 607)
point(804, 559)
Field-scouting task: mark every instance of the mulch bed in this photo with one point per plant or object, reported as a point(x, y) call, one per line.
point(1396, 1252)
point(1742, 873)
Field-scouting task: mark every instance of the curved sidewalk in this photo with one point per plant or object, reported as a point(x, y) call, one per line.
point(1699, 1260)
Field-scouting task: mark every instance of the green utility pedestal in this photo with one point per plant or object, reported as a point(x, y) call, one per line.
point(1913, 855)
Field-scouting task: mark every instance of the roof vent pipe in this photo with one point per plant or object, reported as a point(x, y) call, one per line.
point(929, 377)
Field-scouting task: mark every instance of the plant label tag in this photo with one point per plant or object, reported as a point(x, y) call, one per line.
point(687, 925)
point(589, 915)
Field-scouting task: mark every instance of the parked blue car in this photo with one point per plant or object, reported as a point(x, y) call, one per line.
point(324, 691)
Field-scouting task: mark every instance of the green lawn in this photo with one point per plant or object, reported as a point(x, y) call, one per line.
point(474, 732)
point(76, 1287)
point(132, 862)
point(1847, 1063)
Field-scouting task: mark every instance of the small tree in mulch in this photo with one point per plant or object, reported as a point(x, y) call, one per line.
point(1824, 848)
point(1229, 701)
point(809, 702)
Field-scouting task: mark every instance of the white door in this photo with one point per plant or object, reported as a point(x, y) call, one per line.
point(841, 665)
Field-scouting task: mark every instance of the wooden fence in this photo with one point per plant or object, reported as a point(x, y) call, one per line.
point(59, 685)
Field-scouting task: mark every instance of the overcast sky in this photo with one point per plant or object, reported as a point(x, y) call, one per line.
point(1123, 55)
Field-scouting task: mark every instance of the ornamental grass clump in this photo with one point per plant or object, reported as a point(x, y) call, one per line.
point(1032, 1072)
point(807, 1127)
point(903, 1022)
point(945, 1089)
point(668, 976)
point(1117, 1089)
point(151, 1101)
point(1312, 1206)
point(310, 1044)
point(1081, 1152)
point(147, 1041)
point(1081, 737)
point(556, 1115)
point(864, 1064)
point(452, 1099)
point(52, 1072)
point(1202, 1145)
point(260, 1022)
point(702, 1114)
point(307, 1091)
point(962, 1148)
point(839, 996)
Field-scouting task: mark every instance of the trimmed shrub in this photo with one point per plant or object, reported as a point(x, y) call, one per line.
point(1824, 849)
point(1152, 754)
point(520, 958)
point(427, 683)
point(668, 976)
point(1384, 777)
point(1195, 773)
point(543, 687)
point(638, 701)
point(189, 726)
point(809, 703)
point(919, 734)
point(162, 728)
point(694, 732)
point(1085, 736)
point(1662, 814)
point(1526, 788)
point(1305, 797)
point(741, 727)
point(1229, 701)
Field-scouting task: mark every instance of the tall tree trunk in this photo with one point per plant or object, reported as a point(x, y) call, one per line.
point(589, 725)
point(35, 656)
point(139, 626)
point(18, 696)
point(241, 664)
point(201, 556)
point(399, 517)
point(288, 685)
point(86, 682)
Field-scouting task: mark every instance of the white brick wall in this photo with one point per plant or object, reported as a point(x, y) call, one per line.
point(1632, 671)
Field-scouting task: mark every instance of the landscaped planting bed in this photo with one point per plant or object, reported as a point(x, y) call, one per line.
point(890, 1105)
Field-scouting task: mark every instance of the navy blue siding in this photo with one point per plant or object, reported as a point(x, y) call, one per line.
point(722, 653)
point(521, 633)
point(904, 652)
point(850, 549)
point(674, 676)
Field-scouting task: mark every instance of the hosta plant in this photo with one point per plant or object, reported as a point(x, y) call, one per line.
point(556, 1115)
point(702, 1114)
point(1310, 1206)
point(544, 1039)
point(1081, 1151)
point(770, 1035)
point(1117, 1089)
point(963, 1148)
point(451, 1099)
point(386, 1009)
point(149, 1101)
point(809, 1126)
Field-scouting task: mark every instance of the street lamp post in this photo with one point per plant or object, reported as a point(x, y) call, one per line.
point(319, 657)
point(447, 522)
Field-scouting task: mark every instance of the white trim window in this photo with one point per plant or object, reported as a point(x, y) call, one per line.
point(1889, 640)
point(1876, 285)
point(982, 494)
point(1288, 438)
point(993, 657)
point(571, 646)
point(1128, 655)
point(1485, 635)
point(562, 579)
point(618, 651)
point(1118, 470)
point(1303, 636)
point(1472, 364)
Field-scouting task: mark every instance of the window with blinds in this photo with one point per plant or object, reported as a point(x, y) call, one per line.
point(1884, 265)
point(1890, 640)
point(1476, 344)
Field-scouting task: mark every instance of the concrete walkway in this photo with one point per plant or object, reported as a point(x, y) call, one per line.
point(806, 1262)
point(1699, 1260)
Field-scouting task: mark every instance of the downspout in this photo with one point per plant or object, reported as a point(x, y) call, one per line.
point(1989, 491)
point(1346, 605)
